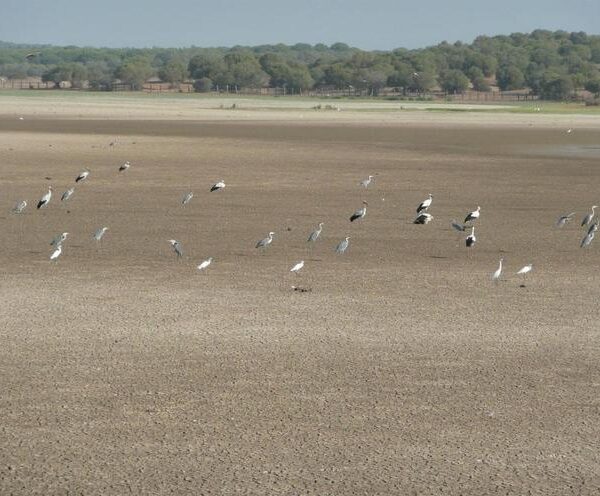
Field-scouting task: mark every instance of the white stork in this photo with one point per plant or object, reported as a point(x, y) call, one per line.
point(45, 199)
point(471, 239)
point(82, 176)
point(423, 218)
point(472, 216)
point(219, 185)
point(360, 213)
point(124, 167)
point(425, 204)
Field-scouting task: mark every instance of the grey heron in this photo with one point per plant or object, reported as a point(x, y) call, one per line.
point(342, 245)
point(67, 194)
point(563, 219)
point(205, 264)
point(473, 216)
point(315, 234)
point(263, 243)
point(423, 218)
point(586, 241)
point(59, 239)
point(19, 207)
point(56, 253)
point(176, 245)
point(366, 182)
point(187, 198)
point(458, 227)
point(99, 233)
point(296, 268)
point(496, 275)
point(588, 218)
point(471, 239)
point(360, 213)
point(593, 227)
point(45, 199)
point(82, 176)
point(217, 186)
point(425, 204)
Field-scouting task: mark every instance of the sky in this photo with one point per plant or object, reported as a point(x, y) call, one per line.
point(371, 25)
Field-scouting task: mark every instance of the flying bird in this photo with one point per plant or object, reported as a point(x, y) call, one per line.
point(218, 186)
point(342, 245)
point(365, 182)
point(425, 204)
point(360, 213)
point(59, 239)
point(296, 268)
point(45, 199)
point(471, 239)
point(315, 234)
point(588, 218)
point(423, 218)
point(19, 207)
point(187, 198)
point(56, 253)
point(82, 176)
point(263, 243)
point(563, 219)
point(67, 194)
point(496, 275)
point(472, 216)
point(124, 167)
point(99, 233)
point(205, 264)
point(176, 247)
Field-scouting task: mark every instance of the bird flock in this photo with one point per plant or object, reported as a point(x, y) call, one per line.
point(423, 217)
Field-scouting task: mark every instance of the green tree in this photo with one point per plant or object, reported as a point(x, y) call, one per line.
point(135, 72)
point(593, 86)
point(453, 81)
point(173, 71)
point(475, 74)
point(556, 86)
point(510, 78)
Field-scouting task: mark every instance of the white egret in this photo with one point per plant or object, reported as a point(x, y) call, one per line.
point(496, 275)
point(523, 271)
point(296, 268)
point(205, 264)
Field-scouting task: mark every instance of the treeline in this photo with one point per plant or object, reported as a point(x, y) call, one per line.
point(552, 64)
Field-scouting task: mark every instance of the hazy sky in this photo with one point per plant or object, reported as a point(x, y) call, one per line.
point(381, 24)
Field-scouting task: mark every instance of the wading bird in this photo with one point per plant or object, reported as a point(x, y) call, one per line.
point(218, 186)
point(586, 241)
point(365, 182)
point(588, 218)
point(19, 207)
point(423, 218)
point(205, 264)
point(471, 239)
point(67, 194)
point(458, 227)
point(472, 216)
point(523, 271)
point(296, 268)
point(82, 176)
point(56, 253)
point(315, 234)
point(496, 275)
point(176, 247)
point(563, 219)
point(263, 243)
point(342, 245)
point(45, 199)
point(187, 198)
point(124, 167)
point(360, 213)
point(425, 204)
point(99, 233)
point(59, 239)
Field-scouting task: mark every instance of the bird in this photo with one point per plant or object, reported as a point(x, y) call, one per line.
point(458, 227)
point(524, 271)
point(176, 247)
point(99, 233)
point(472, 216)
point(218, 186)
point(296, 268)
point(263, 243)
point(471, 239)
point(423, 218)
point(563, 219)
point(124, 167)
point(67, 194)
point(588, 218)
point(45, 199)
point(186, 198)
point(569, 131)
point(342, 245)
point(425, 204)
point(360, 213)
point(496, 275)
point(205, 264)
point(365, 182)
point(315, 234)
point(82, 175)
point(589, 237)
point(59, 239)
point(593, 227)
point(56, 253)
point(19, 207)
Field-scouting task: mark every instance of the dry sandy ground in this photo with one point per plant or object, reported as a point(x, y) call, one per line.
point(403, 371)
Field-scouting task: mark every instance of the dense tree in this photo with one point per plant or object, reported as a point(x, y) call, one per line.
point(135, 72)
point(510, 78)
point(453, 81)
point(556, 86)
point(173, 71)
